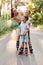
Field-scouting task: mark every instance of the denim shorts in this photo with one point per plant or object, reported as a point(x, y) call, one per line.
point(24, 38)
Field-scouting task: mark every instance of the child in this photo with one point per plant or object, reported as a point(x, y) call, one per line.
point(24, 35)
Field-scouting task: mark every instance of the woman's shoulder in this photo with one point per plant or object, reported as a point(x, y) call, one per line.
point(29, 18)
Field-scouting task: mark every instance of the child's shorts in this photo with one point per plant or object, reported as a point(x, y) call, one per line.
point(24, 38)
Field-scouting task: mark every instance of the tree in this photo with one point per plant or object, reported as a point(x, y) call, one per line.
point(36, 11)
point(2, 2)
point(0, 8)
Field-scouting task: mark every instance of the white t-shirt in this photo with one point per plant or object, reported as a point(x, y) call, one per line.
point(23, 27)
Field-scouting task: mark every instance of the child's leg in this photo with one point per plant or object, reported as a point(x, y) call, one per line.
point(21, 49)
point(26, 48)
point(22, 44)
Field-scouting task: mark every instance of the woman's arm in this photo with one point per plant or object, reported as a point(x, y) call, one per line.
point(26, 31)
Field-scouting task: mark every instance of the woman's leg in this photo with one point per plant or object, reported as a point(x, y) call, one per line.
point(29, 43)
point(18, 38)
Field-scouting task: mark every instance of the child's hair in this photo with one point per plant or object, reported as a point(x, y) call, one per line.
point(26, 17)
point(29, 11)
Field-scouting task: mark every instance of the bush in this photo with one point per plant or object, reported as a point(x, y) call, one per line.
point(36, 12)
point(36, 18)
point(14, 24)
point(7, 25)
point(6, 16)
point(40, 26)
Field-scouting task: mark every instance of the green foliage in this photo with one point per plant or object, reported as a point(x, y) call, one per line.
point(14, 24)
point(36, 8)
point(40, 26)
point(6, 16)
point(4, 28)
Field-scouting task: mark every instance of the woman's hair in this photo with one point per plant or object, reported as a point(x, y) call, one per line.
point(29, 11)
point(26, 17)
point(12, 12)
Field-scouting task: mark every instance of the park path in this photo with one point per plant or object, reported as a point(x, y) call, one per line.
point(8, 54)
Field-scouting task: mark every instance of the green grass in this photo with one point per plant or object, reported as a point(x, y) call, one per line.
point(40, 26)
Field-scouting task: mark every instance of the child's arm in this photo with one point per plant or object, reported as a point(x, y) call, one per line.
point(28, 29)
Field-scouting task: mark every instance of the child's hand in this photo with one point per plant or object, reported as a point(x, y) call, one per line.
point(24, 33)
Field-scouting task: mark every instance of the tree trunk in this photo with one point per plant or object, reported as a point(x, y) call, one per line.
point(0, 12)
point(11, 8)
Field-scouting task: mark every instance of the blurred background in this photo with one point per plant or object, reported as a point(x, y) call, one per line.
point(7, 23)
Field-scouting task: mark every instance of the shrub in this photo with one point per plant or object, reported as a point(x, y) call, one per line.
point(40, 26)
point(7, 25)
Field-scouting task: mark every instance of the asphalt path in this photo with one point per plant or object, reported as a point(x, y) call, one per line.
point(8, 54)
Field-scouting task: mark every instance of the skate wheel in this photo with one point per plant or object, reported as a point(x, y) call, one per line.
point(31, 51)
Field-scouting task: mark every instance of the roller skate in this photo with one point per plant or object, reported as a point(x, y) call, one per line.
point(26, 51)
point(17, 45)
point(30, 48)
point(21, 51)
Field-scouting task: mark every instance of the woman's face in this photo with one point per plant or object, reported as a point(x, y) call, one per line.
point(27, 13)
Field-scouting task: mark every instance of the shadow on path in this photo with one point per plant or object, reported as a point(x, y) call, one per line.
point(26, 60)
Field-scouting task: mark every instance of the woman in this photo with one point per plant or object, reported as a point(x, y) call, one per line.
point(27, 13)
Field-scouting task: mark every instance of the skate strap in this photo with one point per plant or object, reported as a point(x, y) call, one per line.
point(26, 48)
point(21, 48)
